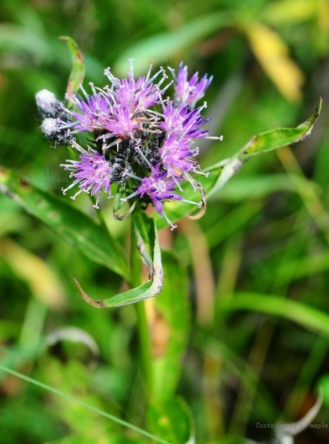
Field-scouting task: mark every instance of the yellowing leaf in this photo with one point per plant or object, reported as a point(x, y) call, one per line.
point(289, 11)
point(323, 15)
point(273, 54)
point(43, 283)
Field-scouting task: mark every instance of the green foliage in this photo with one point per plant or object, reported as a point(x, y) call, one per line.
point(172, 327)
point(257, 260)
point(75, 227)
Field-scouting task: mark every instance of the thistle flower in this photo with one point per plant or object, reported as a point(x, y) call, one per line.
point(121, 123)
point(92, 113)
point(139, 139)
point(92, 173)
point(137, 95)
point(184, 122)
point(177, 156)
point(158, 188)
point(190, 91)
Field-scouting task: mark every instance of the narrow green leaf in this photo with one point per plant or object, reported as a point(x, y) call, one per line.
point(262, 143)
point(148, 245)
point(171, 325)
point(78, 66)
point(71, 224)
point(70, 398)
point(162, 47)
point(173, 421)
point(222, 172)
point(309, 317)
point(279, 137)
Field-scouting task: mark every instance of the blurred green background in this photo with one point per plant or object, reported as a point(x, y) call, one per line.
point(265, 234)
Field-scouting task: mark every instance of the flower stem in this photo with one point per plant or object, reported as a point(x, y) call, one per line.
point(142, 325)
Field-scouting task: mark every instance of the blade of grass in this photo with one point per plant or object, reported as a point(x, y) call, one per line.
point(209, 345)
point(306, 190)
point(263, 338)
point(82, 404)
point(304, 315)
point(307, 375)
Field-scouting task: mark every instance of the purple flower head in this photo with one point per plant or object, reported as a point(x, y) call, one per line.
point(135, 94)
point(92, 173)
point(183, 121)
point(192, 90)
point(121, 123)
point(158, 187)
point(139, 139)
point(177, 156)
point(92, 111)
point(138, 94)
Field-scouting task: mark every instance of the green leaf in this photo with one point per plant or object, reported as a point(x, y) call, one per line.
point(71, 224)
point(279, 137)
point(262, 143)
point(78, 66)
point(222, 172)
point(309, 317)
point(162, 47)
point(172, 421)
point(171, 327)
point(148, 246)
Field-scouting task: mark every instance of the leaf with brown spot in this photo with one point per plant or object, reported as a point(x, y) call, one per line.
point(78, 66)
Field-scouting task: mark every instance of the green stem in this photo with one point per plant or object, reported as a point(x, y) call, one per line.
point(142, 325)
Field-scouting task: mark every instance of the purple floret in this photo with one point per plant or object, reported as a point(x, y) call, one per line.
point(177, 156)
point(183, 121)
point(91, 172)
point(92, 113)
point(192, 90)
